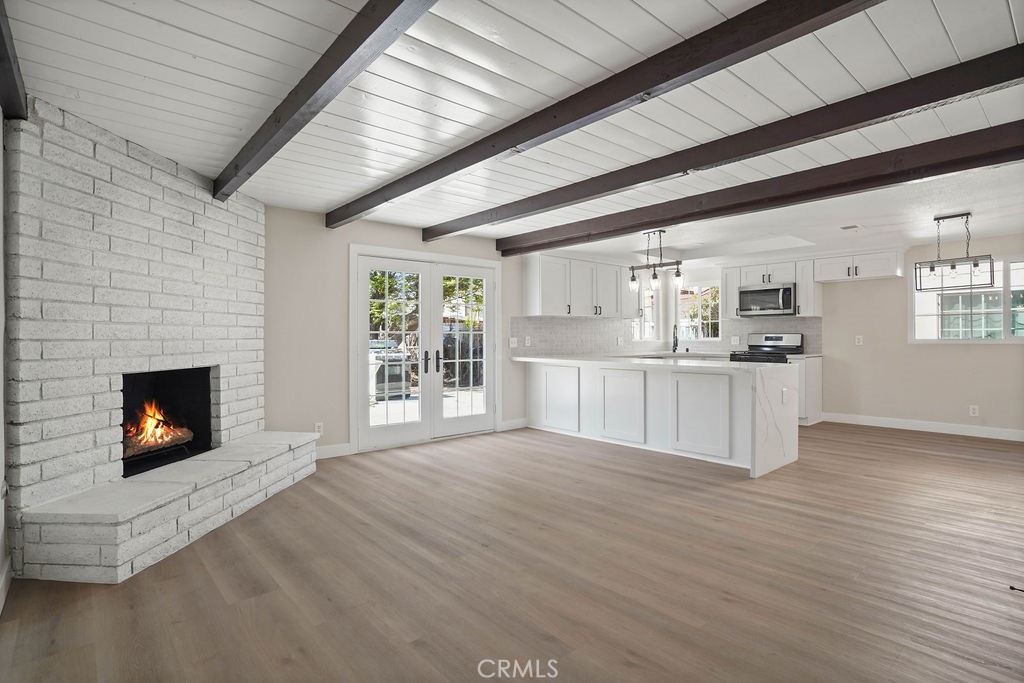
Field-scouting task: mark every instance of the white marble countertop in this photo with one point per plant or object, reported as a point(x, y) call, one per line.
point(674, 362)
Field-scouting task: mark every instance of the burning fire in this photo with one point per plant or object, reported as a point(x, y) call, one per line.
point(152, 431)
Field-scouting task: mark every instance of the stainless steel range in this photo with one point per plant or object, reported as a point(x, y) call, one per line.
point(770, 348)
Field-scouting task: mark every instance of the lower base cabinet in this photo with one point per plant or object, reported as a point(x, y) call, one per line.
point(810, 389)
point(623, 412)
point(561, 397)
point(700, 409)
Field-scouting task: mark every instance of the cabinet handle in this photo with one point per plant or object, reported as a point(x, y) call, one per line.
point(426, 362)
point(769, 277)
point(737, 312)
point(437, 361)
point(568, 309)
point(595, 310)
point(600, 310)
point(856, 270)
point(847, 271)
point(798, 309)
point(762, 279)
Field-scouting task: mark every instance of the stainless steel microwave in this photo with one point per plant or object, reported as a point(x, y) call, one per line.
point(773, 299)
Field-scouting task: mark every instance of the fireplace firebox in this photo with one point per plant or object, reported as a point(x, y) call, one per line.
point(166, 417)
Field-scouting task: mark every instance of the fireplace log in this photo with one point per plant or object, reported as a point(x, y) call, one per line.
point(181, 435)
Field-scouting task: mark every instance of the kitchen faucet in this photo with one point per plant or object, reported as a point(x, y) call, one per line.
point(675, 338)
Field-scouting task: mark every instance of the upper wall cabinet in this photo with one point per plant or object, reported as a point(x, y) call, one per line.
point(771, 274)
point(553, 279)
point(554, 285)
point(859, 267)
point(808, 292)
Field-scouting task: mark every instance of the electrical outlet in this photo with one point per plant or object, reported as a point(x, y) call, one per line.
point(858, 340)
point(529, 342)
point(318, 427)
point(973, 411)
point(734, 340)
point(513, 342)
point(619, 341)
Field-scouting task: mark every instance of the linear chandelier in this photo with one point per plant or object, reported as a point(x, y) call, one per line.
point(963, 272)
point(634, 284)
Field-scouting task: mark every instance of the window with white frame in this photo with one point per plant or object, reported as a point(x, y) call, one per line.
point(697, 311)
point(979, 313)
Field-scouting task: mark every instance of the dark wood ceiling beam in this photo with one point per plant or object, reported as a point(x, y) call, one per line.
point(12, 88)
point(757, 30)
point(986, 147)
point(372, 30)
point(997, 70)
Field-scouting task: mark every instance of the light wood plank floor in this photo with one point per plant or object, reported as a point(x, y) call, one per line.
point(881, 555)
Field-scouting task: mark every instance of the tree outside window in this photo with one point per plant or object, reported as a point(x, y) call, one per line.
point(698, 312)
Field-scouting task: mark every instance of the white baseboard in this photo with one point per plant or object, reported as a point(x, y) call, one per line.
point(6, 577)
point(334, 451)
point(925, 426)
point(511, 424)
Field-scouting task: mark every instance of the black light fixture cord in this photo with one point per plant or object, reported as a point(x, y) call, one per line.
point(967, 227)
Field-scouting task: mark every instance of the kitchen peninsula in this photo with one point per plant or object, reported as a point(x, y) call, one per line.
point(735, 413)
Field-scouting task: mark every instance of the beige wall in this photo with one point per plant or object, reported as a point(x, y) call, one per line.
point(307, 282)
point(890, 377)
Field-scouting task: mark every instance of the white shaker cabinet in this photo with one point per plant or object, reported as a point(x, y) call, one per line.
point(559, 398)
point(808, 292)
point(608, 290)
point(809, 384)
point(547, 286)
point(729, 293)
point(582, 296)
point(700, 412)
point(770, 274)
point(623, 412)
point(555, 285)
point(859, 267)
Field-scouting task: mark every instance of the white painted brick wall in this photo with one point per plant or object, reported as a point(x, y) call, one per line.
point(52, 547)
point(117, 260)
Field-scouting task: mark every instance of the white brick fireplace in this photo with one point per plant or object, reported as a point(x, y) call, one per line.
point(120, 261)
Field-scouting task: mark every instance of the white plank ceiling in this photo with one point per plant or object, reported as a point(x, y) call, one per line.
point(193, 79)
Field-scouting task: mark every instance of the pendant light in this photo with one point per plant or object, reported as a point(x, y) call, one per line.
point(964, 272)
point(655, 281)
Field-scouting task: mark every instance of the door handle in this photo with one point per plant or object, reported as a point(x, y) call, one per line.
point(426, 362)
point(437, 361)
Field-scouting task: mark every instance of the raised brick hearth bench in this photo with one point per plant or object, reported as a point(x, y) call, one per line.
point(109, 532)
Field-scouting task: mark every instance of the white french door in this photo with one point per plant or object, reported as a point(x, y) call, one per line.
point(425, 332)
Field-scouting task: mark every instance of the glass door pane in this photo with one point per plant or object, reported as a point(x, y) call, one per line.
point(465, 385)
point(390, 350)
point(394, 347)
